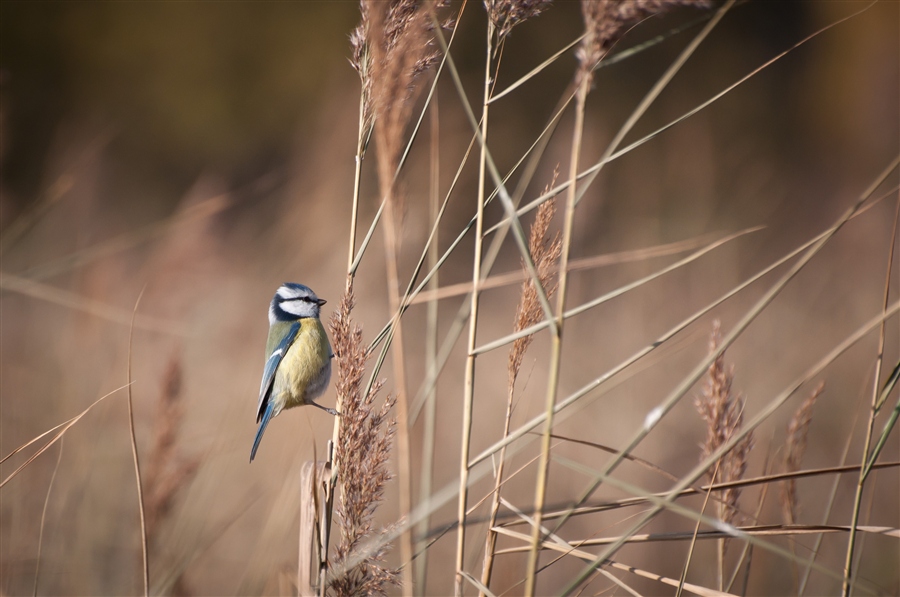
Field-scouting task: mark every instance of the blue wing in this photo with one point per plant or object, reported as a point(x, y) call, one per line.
point(265, 408)
point(275, 357)
point(262, 428)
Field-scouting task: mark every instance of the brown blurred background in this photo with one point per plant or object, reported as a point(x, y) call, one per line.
point(203, 152)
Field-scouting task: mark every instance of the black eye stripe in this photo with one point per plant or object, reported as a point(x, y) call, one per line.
point(296, 298)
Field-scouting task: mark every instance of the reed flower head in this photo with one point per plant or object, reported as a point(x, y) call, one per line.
point(391, 47)
point(606, 21)
point(724, 415)
point(545, 251)
point(795, 448)
point(361, 456)
point(506, 14)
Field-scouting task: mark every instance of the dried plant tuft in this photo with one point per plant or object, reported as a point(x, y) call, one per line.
point(724, 416)
point(392, 46)
point(795, 447)
point(506, 14)
point(606, 21)
point(361, 456)
point(545, 253)
point(167, 471)
point(362, 63)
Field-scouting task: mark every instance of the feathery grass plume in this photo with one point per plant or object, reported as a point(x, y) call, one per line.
point(795, 447)
point(506, 14)
point(361, 455)
point(166, 470)
point(392, 46)
point(724, 416)
point(606, 21)
point(545, 253)
point(362, 64)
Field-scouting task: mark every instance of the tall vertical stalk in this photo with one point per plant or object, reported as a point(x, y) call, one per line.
point(469, 390)
point(556, 339)
point(399, 366)
point(431, 343)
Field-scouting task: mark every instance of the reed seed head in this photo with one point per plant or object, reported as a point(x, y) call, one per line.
point(361, 455)
point(724, 415)
point(545, 252)
point(507, 14)
point(606, 21)
point(795, 448)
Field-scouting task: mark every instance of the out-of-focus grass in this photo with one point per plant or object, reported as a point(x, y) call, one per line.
point(149, 112)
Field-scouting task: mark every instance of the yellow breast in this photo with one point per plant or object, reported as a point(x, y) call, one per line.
point(305, 370)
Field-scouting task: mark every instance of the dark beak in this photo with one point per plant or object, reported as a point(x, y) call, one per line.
point(321, 302)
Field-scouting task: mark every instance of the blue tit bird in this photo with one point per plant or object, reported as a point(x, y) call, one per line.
point(298, 356)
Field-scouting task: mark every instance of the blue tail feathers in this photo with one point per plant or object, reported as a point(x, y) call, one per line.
point(263, 422)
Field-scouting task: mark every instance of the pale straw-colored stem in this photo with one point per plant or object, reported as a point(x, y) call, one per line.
point(431, 343)
point(469, 387)
point(357, 174)
point(556, 341)
point(145, 563)
point(491, 542)
point(399, 365)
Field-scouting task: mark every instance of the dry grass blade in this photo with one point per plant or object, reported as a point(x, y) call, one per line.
point(618, 291)
point(764, 480)
point(667, 503)
point(134, 455)
point(60, 431)
point(561, 543)
point(569, 403)
point(889, 424)
point(37, 566)
point(505, 199)
point(656, 414)
point(590, 172)
point(603, 260)
point(767, 411)
point(574, 551)
point(770, 530)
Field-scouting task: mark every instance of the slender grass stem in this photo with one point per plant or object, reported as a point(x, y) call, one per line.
point(431, 342)
point(145, 564)
point(37, 565)
point(873, 412)
point(556, 340)
point(469, 382)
